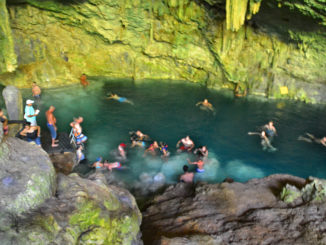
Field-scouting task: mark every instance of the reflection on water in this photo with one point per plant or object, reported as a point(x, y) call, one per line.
point(166, 111)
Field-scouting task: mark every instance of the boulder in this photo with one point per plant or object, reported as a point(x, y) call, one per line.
point(14, 102)
point(82, 212)
point(236, 213)
point(27, 177)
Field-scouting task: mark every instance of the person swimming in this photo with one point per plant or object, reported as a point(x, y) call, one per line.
point(205, 105)
point(270, 130)
point(164, 151)
point(83, 80)
point(98, 165)
point(187, 144)
point(201, 152)
point(118, 98)
point(200, 165)
point(312, 139)
point(152, 149)
point(265, 142)
point(138, 139)
point(112, 165)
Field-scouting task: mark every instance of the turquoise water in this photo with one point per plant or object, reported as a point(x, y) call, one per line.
point(166, 111)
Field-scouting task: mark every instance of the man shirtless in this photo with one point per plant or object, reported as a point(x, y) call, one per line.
point(205, 105)
point(51, 121)
point(36, 91)
point(187, 177)
point(200, 165)
point(187, 144)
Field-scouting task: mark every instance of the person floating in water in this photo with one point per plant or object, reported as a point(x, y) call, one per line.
point(77, 130)
point(51, 124)
point(200, 165)
point(112, 165)
point(205, 105)
point(4, 121)
point(118, 98)
point(164, 151)
point(187, 177)
point(83, 80)
point(201, 152)
point(138, 139)
point(152, 149)
point(311, 138)
point(265, 142)
point(187, 144)
point(270, 130)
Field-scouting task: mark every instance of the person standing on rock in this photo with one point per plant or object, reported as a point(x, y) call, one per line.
point(4, 121)
point(30, 113)
point(51, 124)
point(186, 177)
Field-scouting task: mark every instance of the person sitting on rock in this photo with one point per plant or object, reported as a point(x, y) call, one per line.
point(77, 130)
point(187, 177)
point(200, 165)
point(79, 154)
point(4, 121)
point(311, 138)
point(205, 105)
point(32, 133)
point(187, 144)
point(83, 80)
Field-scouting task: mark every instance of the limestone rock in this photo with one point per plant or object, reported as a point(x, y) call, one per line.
point(27, 177)
point(234, 213)
point(14, 102)
point(83, 212)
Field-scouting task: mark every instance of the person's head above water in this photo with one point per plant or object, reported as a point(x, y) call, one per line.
point(205, 101)
point(185, 168)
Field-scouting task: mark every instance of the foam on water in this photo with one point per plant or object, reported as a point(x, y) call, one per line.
point(240, 171)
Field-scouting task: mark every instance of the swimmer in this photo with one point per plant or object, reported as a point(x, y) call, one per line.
point(112, 165)
point(77, 130)
point(201, 152)
point(187, 144)
point(152, 149)
point(122, 151)
point(4, 121)
point(200, 165)
point(138, 139)
point(205, 105)
point(83, 80)
point(164, 151)
point(187, 177)
point(265, 142)
point(98, 165)
point(270, 130)
point(311, 138)
point(119, 99)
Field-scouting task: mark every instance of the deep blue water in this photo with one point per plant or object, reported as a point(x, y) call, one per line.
point(166, 111)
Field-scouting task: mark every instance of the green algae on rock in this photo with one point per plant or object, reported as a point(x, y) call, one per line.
point(7, 54)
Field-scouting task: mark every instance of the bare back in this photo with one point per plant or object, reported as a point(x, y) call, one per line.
point(50, 117)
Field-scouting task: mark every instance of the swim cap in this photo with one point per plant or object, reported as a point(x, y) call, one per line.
point(98, 159)
point(123, 145)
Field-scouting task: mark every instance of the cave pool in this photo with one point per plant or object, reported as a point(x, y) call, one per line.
point(166, 111)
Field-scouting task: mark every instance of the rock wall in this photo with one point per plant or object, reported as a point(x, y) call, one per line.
point(7, 53)
point(57, 41)
point(237, 213)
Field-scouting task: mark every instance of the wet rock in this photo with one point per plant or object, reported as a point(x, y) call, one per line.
point(14, 102)
point(234, 213)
